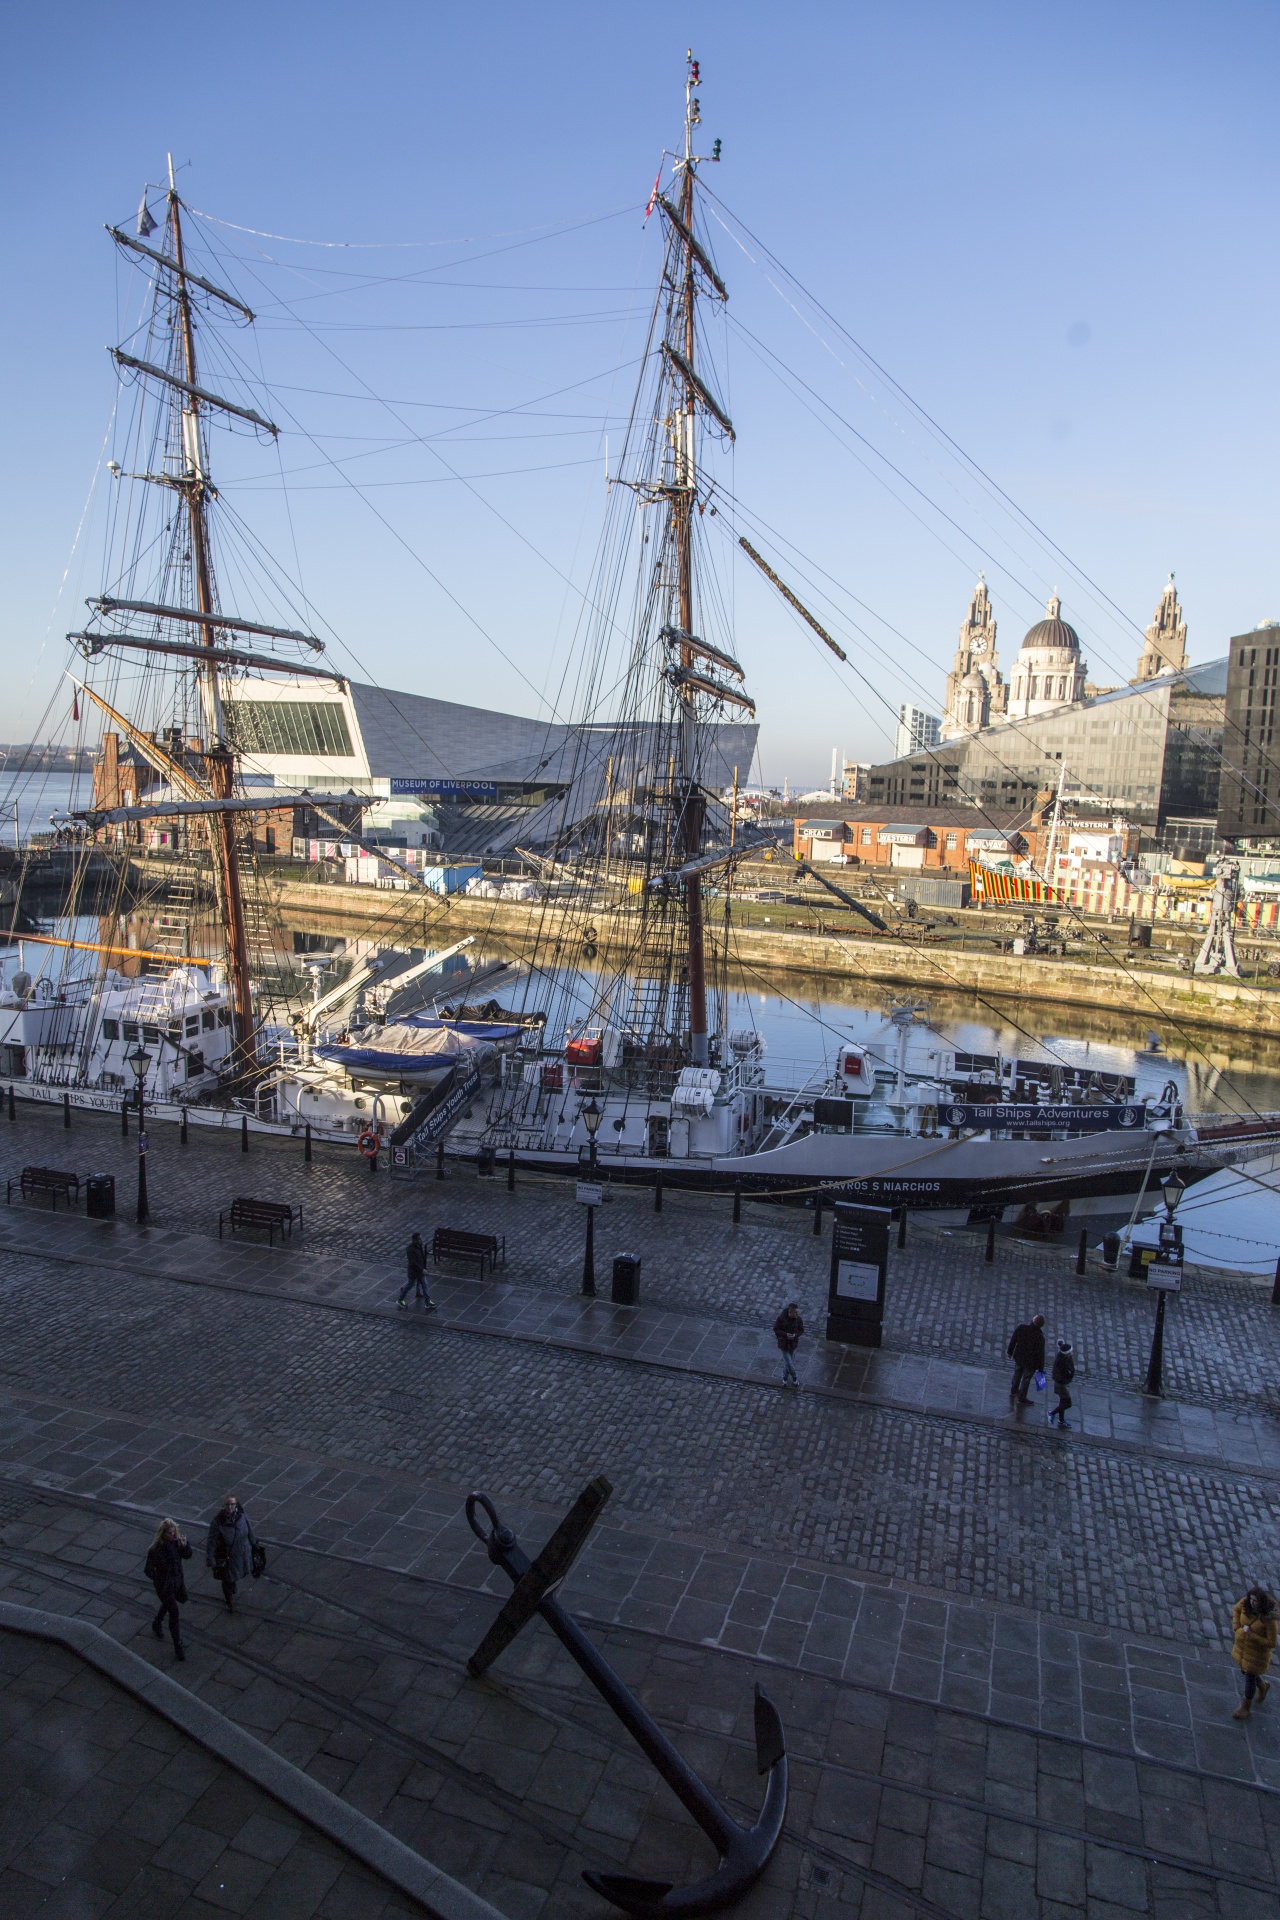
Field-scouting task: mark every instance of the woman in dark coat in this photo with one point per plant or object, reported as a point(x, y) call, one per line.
point(164, 1570)
point(228, 1551)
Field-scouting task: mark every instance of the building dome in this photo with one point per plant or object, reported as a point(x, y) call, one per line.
point(1053, 630)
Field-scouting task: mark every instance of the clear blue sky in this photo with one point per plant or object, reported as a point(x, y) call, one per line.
point(1054, 226)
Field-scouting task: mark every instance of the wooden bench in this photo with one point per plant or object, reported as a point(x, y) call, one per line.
point(451, 1243)
point(262, 1213)
point(34, 1181)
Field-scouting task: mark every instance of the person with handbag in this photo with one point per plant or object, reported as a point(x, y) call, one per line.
point(232, 1552)
point(163, 1569)
point(1026, 1350)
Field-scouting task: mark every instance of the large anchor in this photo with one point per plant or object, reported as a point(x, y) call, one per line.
point(744, 1852)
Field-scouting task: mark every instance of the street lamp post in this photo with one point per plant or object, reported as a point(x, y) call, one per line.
point(1173, 1190)
point(139, 1060)
point(592, 1115)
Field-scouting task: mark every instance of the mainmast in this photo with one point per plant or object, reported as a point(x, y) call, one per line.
point(193, 486)
point(688, 258)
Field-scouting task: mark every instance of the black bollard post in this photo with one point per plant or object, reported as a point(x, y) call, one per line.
point(440, 1161)
point(511, 1170)
point(737, 1203)
point(991, 1240)
point(13, 1111)
point(306, 1145)
point(657, 1194)
point(124, 1116)
point(1275, 1289)
point(182, 1131)
point(902, 1227)
point(1082, 1251)
point(817, 1214)
point(373, 1163)
point(244, 1133)
point(66, 1111)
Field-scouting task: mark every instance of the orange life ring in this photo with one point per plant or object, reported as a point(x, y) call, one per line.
point(370, 1144)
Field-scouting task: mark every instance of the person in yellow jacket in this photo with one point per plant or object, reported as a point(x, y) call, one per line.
point(1254, 1621)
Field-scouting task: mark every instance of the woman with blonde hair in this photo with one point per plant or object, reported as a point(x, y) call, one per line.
point(164, 1570)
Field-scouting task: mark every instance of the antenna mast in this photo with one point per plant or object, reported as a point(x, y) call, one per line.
point(193, 486)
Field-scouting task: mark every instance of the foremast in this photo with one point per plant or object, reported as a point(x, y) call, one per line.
point(193, 488)
point(687, 260)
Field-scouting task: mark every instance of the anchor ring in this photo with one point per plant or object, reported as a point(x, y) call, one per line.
point(498, 1537)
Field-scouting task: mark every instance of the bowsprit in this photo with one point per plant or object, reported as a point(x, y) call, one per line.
point(744, 1852)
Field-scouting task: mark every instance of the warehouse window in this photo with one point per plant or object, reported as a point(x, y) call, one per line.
point(291, 727)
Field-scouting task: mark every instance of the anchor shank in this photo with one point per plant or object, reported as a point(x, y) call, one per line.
point(645, 1731)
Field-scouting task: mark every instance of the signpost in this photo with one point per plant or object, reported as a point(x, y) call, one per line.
point(859, 1263)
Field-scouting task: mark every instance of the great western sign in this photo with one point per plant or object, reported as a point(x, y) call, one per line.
point(1071, 1119)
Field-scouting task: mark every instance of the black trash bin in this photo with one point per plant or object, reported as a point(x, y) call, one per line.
point(485, 1162)
point(626, 1280)
point(100, 1196)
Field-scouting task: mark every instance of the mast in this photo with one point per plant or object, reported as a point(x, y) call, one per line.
point(193, 486)
point(692, 810)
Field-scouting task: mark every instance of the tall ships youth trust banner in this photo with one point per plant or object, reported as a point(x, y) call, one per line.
point(986, 884)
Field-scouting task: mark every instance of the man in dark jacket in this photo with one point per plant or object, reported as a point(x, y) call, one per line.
point(1026, 1350)
point(415, 1255)
point(228, 1552)
point(164, 1570)
point(787, 1329)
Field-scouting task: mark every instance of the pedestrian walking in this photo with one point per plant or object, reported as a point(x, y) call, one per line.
point(1026, 1350)
point(416, 1281)
point(232, 1552)
point(1064, 1372)
point(1254, 1622)
point(787, 1329)
point(163, 1568)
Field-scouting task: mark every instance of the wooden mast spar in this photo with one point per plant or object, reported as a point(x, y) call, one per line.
point(685, 498)
point(219, 759)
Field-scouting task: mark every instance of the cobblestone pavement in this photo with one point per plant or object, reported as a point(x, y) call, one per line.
point(514, 1784)
point(108, 1810)
point(1223, 1348)
point(1006, 1515)
point(645, 1335)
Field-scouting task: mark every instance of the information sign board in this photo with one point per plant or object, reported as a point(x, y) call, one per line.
point(859, 1263)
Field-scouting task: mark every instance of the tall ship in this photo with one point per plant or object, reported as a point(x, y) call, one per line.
point(620, 1057)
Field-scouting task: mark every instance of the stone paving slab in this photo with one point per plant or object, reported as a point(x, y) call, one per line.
point(1121, 1692)
point(898, 1808)
point(109, 1809)
point(683, 1342)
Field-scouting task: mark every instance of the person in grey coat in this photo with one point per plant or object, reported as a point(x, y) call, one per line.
point(228, 1551)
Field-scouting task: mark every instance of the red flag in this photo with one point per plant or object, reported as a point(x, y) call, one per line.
point(75, 706)
point(657, 182)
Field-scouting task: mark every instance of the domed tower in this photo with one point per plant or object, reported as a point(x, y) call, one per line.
point(1048, 671)
point(1165, 650)
point(976, 694)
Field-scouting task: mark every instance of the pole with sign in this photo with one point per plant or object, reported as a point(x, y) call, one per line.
point(859, 1264)
point(1164, 1276)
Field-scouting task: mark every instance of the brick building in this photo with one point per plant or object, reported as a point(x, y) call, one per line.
point(918, 839)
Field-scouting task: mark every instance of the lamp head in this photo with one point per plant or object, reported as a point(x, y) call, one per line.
point(1173, 1189)
point(139, 1060)
point(592, 1114)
